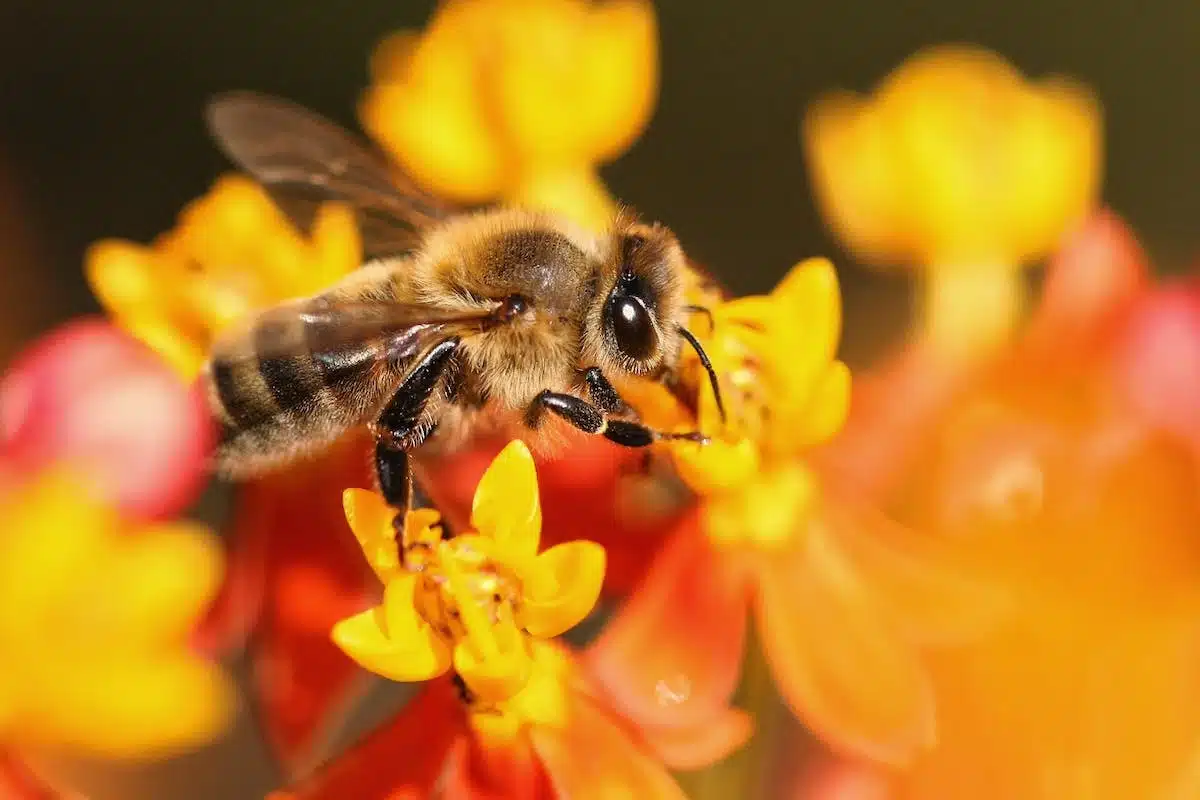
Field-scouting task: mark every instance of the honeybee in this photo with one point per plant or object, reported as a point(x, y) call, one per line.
point(493, 317)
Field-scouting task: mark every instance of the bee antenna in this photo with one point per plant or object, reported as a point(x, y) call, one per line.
point(708, 367)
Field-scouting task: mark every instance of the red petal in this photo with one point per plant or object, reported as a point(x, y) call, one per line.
point(673, 653)
point(90, 393)
point(836, 659)
point(593, 758)
point(701, 744)
point(18, 783)
point(315, 575)
point(403, 759)
point(474, 773)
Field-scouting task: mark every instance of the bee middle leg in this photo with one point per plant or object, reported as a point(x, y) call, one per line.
point(401, 428)
point(590, 418)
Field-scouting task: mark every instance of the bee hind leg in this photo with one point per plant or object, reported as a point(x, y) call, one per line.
point(401, 427)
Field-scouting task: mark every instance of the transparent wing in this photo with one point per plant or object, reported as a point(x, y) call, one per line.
point(296, 153)
point(366, 331)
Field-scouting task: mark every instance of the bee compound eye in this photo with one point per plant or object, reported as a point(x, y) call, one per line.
point(632, 329)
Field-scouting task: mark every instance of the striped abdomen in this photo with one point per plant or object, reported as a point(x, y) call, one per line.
point(295, 380)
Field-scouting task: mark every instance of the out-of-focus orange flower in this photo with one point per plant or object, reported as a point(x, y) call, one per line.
point(232, 252)
point(94, 624)
point(517, 100)
point(840, 595)
point(1053, 478)
point(960, 167)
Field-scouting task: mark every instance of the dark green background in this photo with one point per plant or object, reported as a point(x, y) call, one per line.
point(100, 132)
point(99, 114)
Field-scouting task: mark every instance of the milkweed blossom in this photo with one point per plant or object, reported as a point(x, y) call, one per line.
point(841, 597)
point(480, 607)
point(1056, 474)
point(960, 168)
point(517, 100)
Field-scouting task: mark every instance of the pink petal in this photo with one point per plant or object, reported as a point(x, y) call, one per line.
point(1098, 271)
point(89, 393)
point(1156, 365)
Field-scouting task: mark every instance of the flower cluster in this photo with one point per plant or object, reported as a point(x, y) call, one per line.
point(958, 569)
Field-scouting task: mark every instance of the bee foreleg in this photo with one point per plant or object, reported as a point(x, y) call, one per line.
point(590, 419)
point(401, 427)
point(605, 395)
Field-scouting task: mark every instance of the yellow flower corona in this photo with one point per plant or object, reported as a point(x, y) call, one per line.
point(475, 602)
point(232, 252)
point(94, 627)
point(959, 166)
point(517, 100)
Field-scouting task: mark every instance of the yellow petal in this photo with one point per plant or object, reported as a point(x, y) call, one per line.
point(563, 588)
point(506, 506)
point(162, 582)
point(133, 709)
point(120, 274)
point(338, 244)
point(370, 518)
point(499, 675)
point(825, 413)
point(391, 640)
point(717, 466)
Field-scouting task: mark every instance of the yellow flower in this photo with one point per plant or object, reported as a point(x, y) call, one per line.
point(959, 166)
point(232, 252)
point(517, 100)
point(94, 628)
point(471, 602)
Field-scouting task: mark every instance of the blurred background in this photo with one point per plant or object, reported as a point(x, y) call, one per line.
point(101, 136)
point(101, 132)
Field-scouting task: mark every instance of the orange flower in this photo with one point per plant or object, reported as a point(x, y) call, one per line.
point(840, 595)
point(959, 166)
point(1054, 481)
point(517, 100)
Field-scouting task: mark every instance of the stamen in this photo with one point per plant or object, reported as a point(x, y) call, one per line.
point(478, 627)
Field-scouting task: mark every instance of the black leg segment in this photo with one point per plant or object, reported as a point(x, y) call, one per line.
point(400, 422)
point(590, 419)
point(399, 428)
point(604, 394)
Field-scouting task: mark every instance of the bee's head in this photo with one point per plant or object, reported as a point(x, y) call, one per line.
point(638, 328)
point(633, 328)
